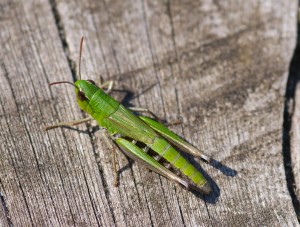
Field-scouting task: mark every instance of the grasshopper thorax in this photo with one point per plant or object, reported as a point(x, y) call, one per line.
point(94, 100)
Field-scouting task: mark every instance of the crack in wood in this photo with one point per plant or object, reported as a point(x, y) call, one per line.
point(293, 80)
point(62, 35)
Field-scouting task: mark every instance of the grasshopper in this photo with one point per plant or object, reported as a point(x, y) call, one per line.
point(126, 128)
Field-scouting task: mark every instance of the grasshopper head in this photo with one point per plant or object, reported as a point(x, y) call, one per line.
point(85, 89)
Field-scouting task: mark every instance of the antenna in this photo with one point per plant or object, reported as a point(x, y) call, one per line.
point(79, 60)
point(63, 82)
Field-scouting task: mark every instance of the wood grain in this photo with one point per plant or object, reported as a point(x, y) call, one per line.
point(220, 66)
point(292, 127)
point(295, 146)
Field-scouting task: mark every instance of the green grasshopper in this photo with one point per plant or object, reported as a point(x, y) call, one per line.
point(126, 129)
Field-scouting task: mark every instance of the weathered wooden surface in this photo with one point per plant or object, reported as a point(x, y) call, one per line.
point(295, 146)
point(292, 126)
point(219, 65)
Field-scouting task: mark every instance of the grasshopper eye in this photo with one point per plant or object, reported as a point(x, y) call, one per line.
point(91, 82)
point(81, 95)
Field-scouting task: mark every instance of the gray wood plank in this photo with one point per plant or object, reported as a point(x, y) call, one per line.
point(292, 124)
point(221, 66)
point(291, 136)
point(295, 145)
point(47, 179)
